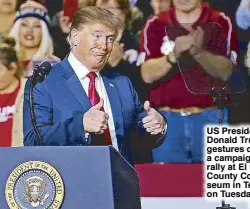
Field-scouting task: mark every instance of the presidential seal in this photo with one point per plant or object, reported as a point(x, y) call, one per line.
point(34, 184)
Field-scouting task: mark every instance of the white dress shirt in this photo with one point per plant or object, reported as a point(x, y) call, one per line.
point(82, 72)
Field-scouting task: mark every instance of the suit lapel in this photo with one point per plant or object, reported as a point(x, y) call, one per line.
point(75, 86)
point(77, 90)
point(115, 102)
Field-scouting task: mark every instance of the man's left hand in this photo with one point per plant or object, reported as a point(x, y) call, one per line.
point(182, 44)
point(154, 123)
point(198, 37)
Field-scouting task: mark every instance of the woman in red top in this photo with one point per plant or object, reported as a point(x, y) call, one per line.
point(11, 95)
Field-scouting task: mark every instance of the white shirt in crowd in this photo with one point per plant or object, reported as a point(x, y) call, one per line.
point(243, 15)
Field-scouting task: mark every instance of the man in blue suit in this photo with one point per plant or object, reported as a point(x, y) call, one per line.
point(76, 106)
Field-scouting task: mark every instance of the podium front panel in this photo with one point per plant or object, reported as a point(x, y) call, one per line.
point(87, 177)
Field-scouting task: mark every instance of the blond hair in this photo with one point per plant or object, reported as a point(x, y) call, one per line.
point(125, 7)
point(90, 14)
point(46, 46)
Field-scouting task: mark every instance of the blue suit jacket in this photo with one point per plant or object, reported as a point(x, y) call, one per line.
point(60, 103)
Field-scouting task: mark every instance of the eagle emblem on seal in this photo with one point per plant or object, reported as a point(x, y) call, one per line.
point(35, 193)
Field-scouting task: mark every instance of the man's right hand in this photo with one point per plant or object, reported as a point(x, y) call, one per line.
point(95, 120)
point(183, 43)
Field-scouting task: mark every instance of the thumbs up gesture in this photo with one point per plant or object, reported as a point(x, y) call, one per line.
point(153, 122)
point(95, 120)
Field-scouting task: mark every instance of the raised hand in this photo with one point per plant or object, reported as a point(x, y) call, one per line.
point(198, 36)
point(65, 23)
point(182, 44)
point(153, 122)
point(95, 120)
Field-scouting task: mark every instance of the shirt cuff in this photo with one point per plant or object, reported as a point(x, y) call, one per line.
point(87, 138)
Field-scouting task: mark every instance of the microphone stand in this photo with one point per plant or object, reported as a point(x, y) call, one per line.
point(31, 104)
point(220, 99)
point(225, 206)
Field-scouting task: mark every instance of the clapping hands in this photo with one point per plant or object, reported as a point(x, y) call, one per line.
point(193, 42)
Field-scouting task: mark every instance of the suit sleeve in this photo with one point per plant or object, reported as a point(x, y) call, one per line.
point(69, 132)
point(140, 114)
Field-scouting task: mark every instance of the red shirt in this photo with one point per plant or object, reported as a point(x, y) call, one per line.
point(219, 37)
point(7, 111)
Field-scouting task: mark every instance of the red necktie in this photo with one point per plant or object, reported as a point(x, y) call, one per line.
point(95, 99)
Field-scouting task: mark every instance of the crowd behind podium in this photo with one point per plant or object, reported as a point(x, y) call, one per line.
point(36, 31)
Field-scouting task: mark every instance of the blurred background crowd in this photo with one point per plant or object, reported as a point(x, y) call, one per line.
point(36, 31)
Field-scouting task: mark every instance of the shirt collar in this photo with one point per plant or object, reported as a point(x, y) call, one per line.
point(80, 70)
point(204, 16)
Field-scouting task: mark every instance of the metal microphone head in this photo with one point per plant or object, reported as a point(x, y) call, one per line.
point(40, 72)
point(45, 67)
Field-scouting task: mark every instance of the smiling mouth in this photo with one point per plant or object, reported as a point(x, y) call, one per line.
point(100, 55)
point(29, 37)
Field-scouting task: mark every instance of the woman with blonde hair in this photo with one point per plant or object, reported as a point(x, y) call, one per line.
point(31, 33)
point(11, 95)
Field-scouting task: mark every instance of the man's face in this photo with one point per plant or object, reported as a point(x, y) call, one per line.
point(93, 45)
point(186, 5)
point(160, 5)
